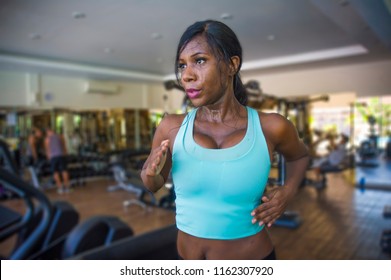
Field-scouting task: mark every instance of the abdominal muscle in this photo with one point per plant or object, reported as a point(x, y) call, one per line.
point(254, 247)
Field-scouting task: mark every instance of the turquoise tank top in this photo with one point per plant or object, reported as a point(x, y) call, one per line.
point(216, 189)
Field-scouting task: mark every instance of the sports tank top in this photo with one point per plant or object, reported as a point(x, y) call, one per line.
point(216, 189)
point(55, 146)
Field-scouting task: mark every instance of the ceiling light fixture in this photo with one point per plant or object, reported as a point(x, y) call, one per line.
point(344, 3)
point(156, 36)
point(78, 15)
point(34, 36)
point(271, 37)
point(108, 50)
point(226, 16)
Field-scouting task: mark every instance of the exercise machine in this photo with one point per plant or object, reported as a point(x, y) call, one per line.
point(128, 179)
point(45, 237)
point(289, 219)
point(368, 154)
point(385, 239)
point(29, 194)
point(158, 244)
point(49, 230)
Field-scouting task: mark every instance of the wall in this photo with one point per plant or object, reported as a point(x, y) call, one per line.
point(161, 99)
point(46, 91)
point(336, 100)
point(364, 79)
point(13, 89)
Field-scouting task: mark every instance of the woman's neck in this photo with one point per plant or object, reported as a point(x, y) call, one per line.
point(222, 112)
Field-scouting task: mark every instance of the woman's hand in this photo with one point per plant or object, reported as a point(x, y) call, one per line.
point(157, 159)
point(273, 205)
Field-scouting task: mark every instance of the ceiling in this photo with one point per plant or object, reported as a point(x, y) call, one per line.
point(136, 39)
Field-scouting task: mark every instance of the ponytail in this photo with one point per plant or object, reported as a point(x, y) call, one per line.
point(239, 90)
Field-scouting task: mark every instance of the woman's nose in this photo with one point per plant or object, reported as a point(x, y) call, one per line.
point(188, 74)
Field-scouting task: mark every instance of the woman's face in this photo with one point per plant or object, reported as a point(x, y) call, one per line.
point(203, 77)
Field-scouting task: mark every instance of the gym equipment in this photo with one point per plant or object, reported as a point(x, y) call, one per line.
point(128, 179)
point(387, 211)
point(130, 182)
point(388, 149)
point(80, 168)
point(28, 193)
point(43, 229)
point(40, 175)
point(7, 159)
point(45, 235)
point(385, 239)
point(368, 154)
point(158, 244)
point(63, 216)
point(326, 169)
point(320, 185)
point(168, 201)
point(94, 232)
point(289, 219)
point(10, 179)
point(64, 219)
point(8, 217)
point(298, 107)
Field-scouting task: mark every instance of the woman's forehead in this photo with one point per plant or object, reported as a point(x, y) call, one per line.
point(196, 45)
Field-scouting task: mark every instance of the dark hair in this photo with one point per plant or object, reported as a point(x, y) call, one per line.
point(223, 43)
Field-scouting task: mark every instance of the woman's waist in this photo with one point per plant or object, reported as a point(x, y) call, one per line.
point(256, 246)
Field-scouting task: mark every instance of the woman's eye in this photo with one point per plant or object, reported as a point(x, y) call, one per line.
point(200, 60)
point(181, 66)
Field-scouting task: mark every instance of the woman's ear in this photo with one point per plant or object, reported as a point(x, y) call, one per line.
point(234, 66)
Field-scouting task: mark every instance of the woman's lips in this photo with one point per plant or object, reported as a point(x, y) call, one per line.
point(193, 93)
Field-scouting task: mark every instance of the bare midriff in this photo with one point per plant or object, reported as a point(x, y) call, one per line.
point(254, 247)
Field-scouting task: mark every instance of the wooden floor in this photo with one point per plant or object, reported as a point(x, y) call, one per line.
point(340, 222)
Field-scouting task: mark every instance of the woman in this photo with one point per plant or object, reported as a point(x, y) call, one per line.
point(220, 154)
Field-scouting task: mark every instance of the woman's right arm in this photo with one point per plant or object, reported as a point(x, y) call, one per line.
point(158, 164)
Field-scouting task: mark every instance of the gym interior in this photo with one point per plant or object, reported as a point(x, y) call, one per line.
point(101, 75)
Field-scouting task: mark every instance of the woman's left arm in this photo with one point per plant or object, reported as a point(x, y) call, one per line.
point(283, 138)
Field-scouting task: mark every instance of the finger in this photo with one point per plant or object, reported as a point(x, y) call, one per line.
point(164, 147)
point(266, 216)
point(151, 169)
point(262, 208)
point(164, 143)
point(265, 198)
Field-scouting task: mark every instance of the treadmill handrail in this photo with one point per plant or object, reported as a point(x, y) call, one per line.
point(13, 182)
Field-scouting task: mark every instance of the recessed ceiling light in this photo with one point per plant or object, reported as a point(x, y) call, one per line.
point(156, 36)
point(78, 15)
point(344, 3)
point(226, 16)
point(271, 37)
point(34, 36)
point(108, 50)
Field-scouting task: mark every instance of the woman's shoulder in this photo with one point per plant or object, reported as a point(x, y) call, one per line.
point(171, 120)
point(170, 123)
point(272, 119)
point(275, 125)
